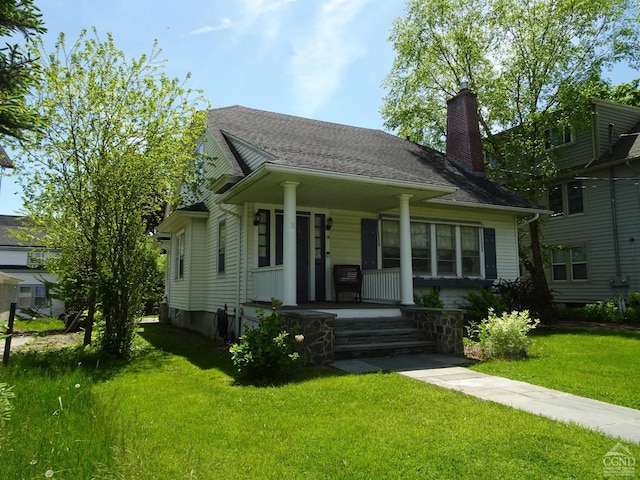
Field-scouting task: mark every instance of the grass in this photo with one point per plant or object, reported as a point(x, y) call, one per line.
point(593, 363)
point(175, 412)
point(39, 325)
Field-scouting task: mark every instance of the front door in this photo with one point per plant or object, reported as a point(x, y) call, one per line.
point(302, 260)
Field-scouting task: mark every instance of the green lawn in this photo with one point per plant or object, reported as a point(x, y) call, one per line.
point(595, 363)
point(175, 412)
point(40, 324)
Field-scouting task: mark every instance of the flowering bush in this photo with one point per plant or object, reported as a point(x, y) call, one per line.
point(505, 336)
point(266, 351)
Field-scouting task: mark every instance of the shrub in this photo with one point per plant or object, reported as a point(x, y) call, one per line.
point(505, 336)
point(478, 302)
point(603, 311)
point(519, 295)
point(5, 405)
point(429, 299)
point(265, 352)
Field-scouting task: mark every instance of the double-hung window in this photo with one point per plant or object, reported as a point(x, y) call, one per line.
point(570, 264)
point(390, 244)
point(436, 249)
point(566, 198)
point(179, 265)
point(264, 236)
point(446, 249)
point(556, 137)
point(222, 246)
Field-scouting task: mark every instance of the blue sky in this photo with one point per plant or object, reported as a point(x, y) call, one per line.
point(323, 59)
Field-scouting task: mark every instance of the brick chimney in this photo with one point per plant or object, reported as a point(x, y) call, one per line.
point(464, 144)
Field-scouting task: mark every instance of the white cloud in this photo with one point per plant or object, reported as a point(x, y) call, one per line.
point(322, 57)
point(224, 24)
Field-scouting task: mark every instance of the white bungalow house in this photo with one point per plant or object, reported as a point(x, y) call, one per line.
point(25, 264)
point(290, 198)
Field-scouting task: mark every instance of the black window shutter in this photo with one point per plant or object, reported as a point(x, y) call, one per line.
point(490, 257)
point(369, 244)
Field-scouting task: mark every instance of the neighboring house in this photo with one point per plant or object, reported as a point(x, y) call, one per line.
point(7, 296)
point(26, 264)
point(595, 225)
point(289, 198)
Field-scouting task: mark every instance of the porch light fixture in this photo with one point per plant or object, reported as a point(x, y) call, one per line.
point(256, 218)
point(329, 224)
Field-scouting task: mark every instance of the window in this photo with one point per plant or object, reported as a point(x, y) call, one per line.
point(566, 198)
point(421, 247)
point(390, 244)
point(456, 248)
point(570, 264)
point(36, 258)
point(180, 256)
point(575, 202)
point(264, 236)
point(40, 297)
point(24, 297)
point(556, 137)
point(470, 239)
point(446, 249)
point(222, 245)
point(555, 200)
point(33, 296)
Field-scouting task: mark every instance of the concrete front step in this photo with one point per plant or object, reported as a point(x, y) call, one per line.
point(383, 348)
point(379, 336)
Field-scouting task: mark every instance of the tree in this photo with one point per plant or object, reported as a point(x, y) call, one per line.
point(19, 70)
point(119, 139)
point(532, 64)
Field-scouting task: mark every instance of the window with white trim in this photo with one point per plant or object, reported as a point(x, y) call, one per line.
point(566, 198)
point(436, 249)
point(179, 259)
point(222, 246)
point(32, 296)
point(557, 136)
point(36, 258)
point(570, 264)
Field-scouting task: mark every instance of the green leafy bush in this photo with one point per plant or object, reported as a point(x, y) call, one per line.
point(478, 302)
point(5, 405)
point(265, 352)
point(505, 336)
point(429, 299)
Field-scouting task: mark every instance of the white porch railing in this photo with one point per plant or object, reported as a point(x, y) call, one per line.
point(268, 283)
point(381, 284)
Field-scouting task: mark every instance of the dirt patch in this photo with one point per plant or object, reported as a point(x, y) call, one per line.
point(51, 341)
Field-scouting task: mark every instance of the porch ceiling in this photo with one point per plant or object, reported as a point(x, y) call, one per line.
point(329, 191)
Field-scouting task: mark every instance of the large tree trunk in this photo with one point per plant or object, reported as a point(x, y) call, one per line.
point(542, 294)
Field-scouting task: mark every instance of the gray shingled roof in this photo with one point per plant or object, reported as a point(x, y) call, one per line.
point(317, 145)
point(626, 148)
point(7, 223)
point(5, 161)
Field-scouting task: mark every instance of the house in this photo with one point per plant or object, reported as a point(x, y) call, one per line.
point(25, 265)
point(290, 198)
point(595, 225)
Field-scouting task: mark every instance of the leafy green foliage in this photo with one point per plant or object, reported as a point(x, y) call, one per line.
point(265, 352)
point(429, 299)
point(117, 147)
point(19, 70)
point(611, 310)
point(531, 64)
point(6, 394)
point(478, 302)
point(505, 336)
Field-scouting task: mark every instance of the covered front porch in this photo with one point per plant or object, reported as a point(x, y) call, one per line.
point(301, 223)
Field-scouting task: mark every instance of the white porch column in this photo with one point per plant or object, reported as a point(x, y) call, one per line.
point(406, 268)
point(289, 244)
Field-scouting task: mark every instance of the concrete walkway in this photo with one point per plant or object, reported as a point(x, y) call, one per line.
point(447, 372)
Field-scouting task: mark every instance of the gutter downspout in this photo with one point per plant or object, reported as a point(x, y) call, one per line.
point(614, 221)
point(531, 220)
point(240, 218)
